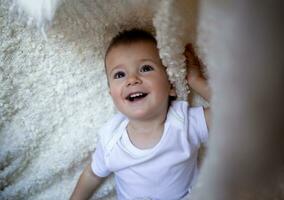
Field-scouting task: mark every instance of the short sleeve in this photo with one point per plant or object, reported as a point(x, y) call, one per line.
point(197, 125)
point(98, 162)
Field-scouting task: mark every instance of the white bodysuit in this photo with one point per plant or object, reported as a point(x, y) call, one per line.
point(165, 172)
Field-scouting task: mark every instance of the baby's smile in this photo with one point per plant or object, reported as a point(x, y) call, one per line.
point(135, 96)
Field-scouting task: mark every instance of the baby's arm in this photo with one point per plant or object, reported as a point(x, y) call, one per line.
point(196, 79)
point(87, 184)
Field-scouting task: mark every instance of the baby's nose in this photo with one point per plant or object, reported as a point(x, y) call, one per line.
point(133, 80)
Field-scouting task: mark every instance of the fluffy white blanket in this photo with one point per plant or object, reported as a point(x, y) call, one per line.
point(54, 96)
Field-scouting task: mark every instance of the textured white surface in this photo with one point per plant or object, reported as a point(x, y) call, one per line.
point(54, 94)
point(54, 97)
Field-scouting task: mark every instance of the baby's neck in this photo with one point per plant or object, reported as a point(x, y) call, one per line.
point(147, 128)
point(145, 134)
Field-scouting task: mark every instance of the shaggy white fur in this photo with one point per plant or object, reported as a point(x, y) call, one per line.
point(54, 95)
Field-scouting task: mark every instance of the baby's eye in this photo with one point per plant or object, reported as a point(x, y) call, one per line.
point(118, 75)
point(146, 68)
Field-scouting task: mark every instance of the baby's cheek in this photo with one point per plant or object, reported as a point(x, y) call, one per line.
point(113, 92)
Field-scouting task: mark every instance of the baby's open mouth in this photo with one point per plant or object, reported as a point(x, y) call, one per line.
point(136, 96)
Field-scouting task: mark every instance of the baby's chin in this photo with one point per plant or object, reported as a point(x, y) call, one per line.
point(139, 114)
point(143, 115)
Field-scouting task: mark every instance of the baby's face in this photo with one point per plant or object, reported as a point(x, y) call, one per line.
point(138, 82)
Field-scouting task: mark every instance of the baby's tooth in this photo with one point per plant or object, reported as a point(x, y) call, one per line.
point(136, 95)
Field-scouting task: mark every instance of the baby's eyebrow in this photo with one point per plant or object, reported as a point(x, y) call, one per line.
point(147, 59)
point(115, 68)
point(156, 62)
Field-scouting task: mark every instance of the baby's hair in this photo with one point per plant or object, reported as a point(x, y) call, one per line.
point(131, 36)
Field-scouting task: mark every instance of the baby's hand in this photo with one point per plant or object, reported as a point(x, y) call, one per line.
point(193, 65)
point(195, 78)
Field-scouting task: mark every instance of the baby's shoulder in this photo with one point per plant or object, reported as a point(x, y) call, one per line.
point(111, 128)
point(179, 109)
point(181, 112)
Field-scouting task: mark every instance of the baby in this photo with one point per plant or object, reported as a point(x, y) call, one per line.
point(152, 144)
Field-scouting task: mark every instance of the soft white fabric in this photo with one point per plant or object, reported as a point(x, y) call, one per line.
point(165, 171)
point(53, 94)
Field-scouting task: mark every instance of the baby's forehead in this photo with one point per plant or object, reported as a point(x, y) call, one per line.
point(133, 53)
point(131, 44)
point(147, 48)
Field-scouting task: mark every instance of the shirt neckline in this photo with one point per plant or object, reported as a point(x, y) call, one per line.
point(135, 151)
